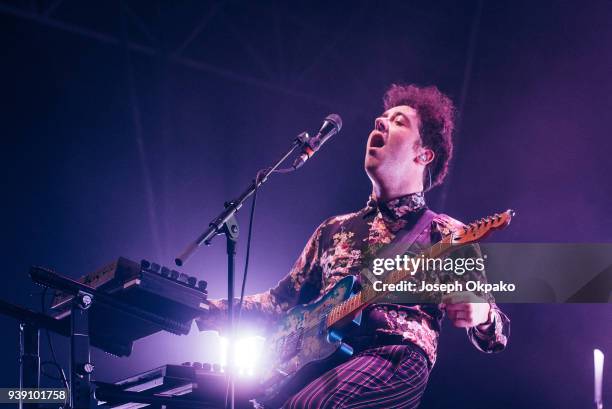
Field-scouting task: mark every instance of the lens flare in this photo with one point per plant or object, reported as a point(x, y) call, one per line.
point(245, 354)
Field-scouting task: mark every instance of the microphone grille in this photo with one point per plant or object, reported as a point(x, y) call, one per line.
point(336, 120)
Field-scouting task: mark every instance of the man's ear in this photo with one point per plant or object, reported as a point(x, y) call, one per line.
point(426, 156)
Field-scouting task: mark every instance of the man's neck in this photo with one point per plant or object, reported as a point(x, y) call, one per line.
point(386, 192)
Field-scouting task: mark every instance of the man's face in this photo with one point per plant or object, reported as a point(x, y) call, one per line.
point(393, 146)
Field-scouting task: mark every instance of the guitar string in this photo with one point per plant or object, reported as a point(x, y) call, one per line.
point(290, 337)
point(429, 251)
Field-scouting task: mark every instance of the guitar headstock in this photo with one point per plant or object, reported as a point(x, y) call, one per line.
point(479, 229)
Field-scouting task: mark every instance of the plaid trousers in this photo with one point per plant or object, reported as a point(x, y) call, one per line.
point(387, 377)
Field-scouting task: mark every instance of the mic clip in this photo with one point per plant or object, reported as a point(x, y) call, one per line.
point(303, 140)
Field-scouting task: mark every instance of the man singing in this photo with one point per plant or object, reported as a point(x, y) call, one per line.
point(407, 152)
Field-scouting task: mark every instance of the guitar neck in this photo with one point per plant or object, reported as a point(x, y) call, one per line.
point(466, 235)
point(367, 295)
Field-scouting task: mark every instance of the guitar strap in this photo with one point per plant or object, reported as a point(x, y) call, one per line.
point(402, 242)
point(406, 238)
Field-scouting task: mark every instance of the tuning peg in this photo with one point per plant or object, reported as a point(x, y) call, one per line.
point(174, 274)
point(165, 271)
point(192, 281)
point(183, 278)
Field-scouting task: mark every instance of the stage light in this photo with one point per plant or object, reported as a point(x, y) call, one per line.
point(598, 358)
point(245, 356)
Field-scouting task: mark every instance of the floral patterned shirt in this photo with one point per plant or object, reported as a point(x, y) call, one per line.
point(343, 245)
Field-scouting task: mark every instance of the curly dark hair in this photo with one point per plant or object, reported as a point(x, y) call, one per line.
point(436, 113)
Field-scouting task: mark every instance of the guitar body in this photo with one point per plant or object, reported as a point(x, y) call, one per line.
point(303, 348)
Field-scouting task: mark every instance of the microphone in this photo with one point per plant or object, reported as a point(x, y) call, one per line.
point(331, 126)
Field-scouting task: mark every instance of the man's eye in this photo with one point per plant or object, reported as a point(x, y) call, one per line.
point(399, 122)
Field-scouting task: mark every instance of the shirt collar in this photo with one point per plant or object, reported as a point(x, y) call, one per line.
point(400, 206)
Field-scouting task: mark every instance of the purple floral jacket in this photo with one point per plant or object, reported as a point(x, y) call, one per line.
point(343, 245)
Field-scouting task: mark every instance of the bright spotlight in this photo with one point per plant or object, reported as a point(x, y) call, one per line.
point(245, 356)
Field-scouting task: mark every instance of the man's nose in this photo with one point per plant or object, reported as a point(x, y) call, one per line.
point(381, 124)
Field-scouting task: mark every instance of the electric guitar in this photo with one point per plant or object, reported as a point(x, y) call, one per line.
point(308, 340)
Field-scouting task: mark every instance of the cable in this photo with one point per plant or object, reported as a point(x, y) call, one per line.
point(246, 262)
point(54, 362)
point(48, 375)
point(244, 276)
point(248, 248)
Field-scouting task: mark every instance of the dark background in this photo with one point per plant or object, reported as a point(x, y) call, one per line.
point(127, 125)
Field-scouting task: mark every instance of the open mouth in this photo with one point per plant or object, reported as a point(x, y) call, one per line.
point(377, 141)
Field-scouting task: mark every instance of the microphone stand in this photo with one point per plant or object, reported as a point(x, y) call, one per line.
point(226, 223)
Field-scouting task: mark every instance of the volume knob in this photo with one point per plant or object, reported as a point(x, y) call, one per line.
point(202, 284)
